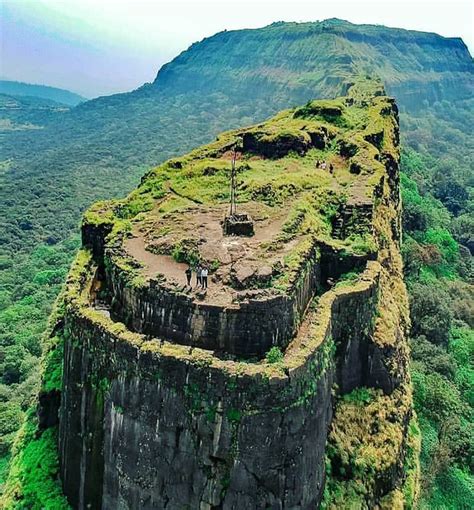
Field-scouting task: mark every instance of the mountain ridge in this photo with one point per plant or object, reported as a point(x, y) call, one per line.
point(386, 56)
point(59, 95)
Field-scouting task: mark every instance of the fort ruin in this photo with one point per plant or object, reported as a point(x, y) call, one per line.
point(169, 397)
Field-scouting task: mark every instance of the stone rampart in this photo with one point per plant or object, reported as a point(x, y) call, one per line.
point(247, 328)
point(156, 424)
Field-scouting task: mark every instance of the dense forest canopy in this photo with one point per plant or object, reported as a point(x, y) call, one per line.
point(57, 160)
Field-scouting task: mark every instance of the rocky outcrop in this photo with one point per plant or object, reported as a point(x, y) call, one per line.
point(152, 418)
point(276, 146)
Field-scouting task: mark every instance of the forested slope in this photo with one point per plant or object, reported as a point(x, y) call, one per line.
point(101, 148)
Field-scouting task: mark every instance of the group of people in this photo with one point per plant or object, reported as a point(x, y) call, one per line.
point(202, 273)
point(323, 165)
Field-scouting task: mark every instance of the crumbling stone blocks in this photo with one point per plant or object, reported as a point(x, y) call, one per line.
point(238, 225)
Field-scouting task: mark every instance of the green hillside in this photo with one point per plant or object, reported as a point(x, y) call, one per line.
point(20, 113)
point(50, 173)
point(18, 88)
point(309, 58)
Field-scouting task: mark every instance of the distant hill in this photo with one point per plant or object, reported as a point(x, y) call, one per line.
point(17, 88)
point(301, 60)
point(18, 113)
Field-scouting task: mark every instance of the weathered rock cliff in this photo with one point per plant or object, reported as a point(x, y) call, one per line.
point(168, 401)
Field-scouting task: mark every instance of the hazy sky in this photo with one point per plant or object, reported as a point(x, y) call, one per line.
point(101, 47)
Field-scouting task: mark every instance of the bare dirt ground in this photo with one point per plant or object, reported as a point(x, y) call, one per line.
point(155, 264)
point(227, 254)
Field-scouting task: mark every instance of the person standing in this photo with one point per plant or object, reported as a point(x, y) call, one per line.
point(204, 273)
point(189, 273)
point(199, 276)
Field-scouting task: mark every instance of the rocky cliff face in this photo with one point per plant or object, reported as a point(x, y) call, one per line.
point(148, 422)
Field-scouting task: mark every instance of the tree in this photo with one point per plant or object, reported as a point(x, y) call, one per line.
point(430, 313)
point(450, 191)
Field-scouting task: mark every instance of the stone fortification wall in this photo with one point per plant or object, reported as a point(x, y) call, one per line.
point(149, 425)
point(248, 328)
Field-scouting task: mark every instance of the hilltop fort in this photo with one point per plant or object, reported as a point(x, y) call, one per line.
point(229, 397)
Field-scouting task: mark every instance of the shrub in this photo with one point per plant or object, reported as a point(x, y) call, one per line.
point(436, 396)
point(274, 355)
point(462, 229)
point(186, 251)
point(34, 469)
point(433, 357)
point(359, 396)
point(348, 278)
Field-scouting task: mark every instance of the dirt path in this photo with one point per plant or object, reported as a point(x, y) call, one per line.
point(174, 272)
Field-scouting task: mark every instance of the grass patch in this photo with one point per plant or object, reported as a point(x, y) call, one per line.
point(33, 479)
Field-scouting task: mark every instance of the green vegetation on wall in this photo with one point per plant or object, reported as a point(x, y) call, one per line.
point(33, 479)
